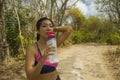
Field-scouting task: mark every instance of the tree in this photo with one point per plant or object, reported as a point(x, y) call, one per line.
point(77, 18)
point(19, 26)
point(111, 8)
point(21, 17)
point(4, 47)
point(54, 9)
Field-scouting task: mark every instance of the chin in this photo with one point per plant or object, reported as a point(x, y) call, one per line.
point(45, 37)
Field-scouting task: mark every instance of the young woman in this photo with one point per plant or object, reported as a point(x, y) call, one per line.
point(37, 65)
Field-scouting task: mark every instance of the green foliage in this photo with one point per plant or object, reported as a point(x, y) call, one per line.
point(77, 18)
point(92, 29)
point(113, 38)
point(76, 13)
point(12, 31)
point(77, 37)
point(96, 30)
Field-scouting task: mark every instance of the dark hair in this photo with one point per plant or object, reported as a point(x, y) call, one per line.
point(38, 24)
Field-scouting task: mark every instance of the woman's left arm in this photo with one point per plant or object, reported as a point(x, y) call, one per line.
point(66, 30)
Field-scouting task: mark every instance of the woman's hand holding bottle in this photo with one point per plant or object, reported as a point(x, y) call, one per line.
point(49, 50)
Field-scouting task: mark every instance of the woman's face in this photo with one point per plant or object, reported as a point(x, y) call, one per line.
point(45, 26)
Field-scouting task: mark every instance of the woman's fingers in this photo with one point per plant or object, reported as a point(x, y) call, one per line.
point(49, 50)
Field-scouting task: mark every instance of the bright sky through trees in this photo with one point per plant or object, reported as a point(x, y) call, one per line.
point(87, 7)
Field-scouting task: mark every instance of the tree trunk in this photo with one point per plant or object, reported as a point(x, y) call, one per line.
point(4, 47)
point(19, 27)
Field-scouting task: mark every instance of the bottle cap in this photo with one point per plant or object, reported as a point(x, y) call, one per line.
point(51, 34)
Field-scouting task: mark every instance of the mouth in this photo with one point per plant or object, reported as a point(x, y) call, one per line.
point(47, 32)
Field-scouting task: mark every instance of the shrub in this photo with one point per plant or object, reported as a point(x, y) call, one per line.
point(113, 38)
point(77, 37)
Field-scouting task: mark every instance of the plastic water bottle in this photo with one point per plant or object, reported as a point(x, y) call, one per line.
point(52, 40)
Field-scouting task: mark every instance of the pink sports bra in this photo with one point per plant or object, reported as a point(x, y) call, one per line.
point(47, 61)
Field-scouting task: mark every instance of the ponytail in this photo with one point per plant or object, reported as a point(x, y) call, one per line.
point(38, 36)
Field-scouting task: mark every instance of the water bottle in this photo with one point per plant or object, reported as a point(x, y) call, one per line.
point(52, 40)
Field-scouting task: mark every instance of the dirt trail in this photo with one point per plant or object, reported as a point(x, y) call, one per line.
point(83, 62)
point(77, 62)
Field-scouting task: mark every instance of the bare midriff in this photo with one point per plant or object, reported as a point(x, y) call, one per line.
point(48, 76)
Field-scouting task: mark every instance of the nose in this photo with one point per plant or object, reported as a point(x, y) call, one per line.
point(49, 28)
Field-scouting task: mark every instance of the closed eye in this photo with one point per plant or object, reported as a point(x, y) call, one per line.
point(43, 26)
point(51, 26)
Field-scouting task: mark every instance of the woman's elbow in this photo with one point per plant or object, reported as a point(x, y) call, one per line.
point(70, 29)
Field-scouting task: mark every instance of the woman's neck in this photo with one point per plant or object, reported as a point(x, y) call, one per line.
point(42, 41)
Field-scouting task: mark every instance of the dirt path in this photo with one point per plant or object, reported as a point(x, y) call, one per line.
point(77, 62)
point(83, 62)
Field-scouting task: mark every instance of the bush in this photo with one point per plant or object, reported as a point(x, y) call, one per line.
point(113, 39)
point(77, 37)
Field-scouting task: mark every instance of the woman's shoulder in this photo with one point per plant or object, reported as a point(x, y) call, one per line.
point(32, 47)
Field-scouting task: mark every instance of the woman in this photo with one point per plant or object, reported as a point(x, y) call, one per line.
point(37, 53)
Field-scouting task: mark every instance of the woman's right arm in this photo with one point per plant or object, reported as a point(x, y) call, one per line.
point(32, 71)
